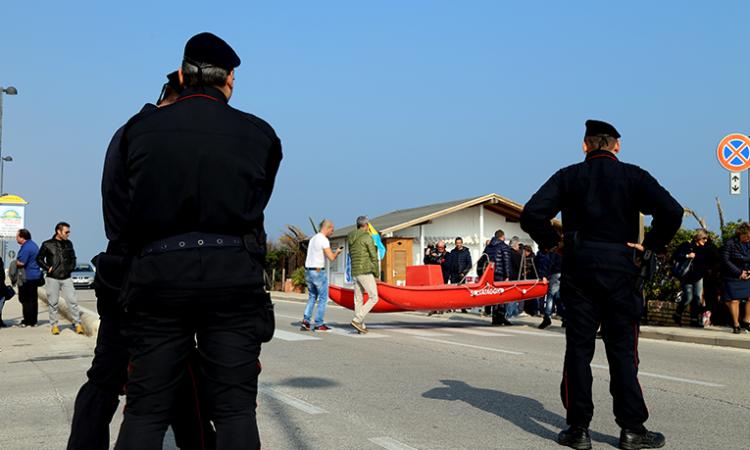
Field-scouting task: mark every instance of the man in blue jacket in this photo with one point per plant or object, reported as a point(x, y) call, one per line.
point(27, 290)
point(499, 252)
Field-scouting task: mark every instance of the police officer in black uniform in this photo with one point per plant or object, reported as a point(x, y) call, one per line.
point(198, 175)
point(97, 399)
point(600, 200)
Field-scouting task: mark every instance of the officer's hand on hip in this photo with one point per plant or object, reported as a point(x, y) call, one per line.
point(636, 246)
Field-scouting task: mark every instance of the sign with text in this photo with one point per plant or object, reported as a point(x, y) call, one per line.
point(11, 220)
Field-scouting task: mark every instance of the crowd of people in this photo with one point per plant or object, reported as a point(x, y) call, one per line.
point(706, 272)
point(691, 263)
point(512, 260)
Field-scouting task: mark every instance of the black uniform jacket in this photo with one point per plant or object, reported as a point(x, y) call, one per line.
point(600, 200)
point(197, 165)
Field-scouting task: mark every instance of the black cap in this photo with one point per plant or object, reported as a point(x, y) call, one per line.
point(173, 81)
point(598, 128)
point(207, 48)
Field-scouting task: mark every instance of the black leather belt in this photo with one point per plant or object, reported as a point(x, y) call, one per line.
point(191, 240)
point(317, 269)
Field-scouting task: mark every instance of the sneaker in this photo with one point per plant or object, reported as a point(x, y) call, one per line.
point(79, 329)
point(633, 440)
point(523, 314)
point(575, 437)
point(545, 323)
point(55, 330)
point(305, 325)
point(359, 327)
point(322, 328)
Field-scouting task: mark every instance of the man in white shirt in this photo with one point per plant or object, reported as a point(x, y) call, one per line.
point(318, 250)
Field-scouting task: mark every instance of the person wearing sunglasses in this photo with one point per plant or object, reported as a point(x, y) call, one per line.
point(690, 268)
point(57, 259)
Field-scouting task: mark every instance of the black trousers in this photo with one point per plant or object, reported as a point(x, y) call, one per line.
point(97, 400)
point(162, 331)
point(605, 298)
point(28, 295)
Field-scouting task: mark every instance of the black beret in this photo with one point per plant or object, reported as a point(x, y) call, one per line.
point(597, 127)
point(207, 48)
point(173, 80)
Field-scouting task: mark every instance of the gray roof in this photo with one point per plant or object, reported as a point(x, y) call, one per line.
point(404, 218)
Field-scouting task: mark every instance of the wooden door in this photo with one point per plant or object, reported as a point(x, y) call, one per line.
point(398, 255)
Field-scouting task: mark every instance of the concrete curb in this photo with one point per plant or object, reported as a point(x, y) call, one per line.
point(89, 319)
point(719, 341)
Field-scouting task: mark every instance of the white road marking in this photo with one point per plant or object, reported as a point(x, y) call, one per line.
point(475, 332)
point(286, 316)
point(420, 332)
point(665, 377)
point(390, 443)
point(353, 333)
point(489, 349)
point(289, 336)
point(535, 333)
point(292, 401)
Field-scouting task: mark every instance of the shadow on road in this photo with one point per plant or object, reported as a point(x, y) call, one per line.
point(307, 382)
point(526, 413)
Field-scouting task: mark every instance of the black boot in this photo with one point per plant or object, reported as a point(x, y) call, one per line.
point(545, 323)
point(677, 317)
point(575, 437)
point(632, 440)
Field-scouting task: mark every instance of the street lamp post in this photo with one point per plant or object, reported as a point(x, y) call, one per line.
point(10, 90)
point(3, 160)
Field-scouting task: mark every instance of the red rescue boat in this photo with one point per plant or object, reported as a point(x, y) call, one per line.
point(433, 297)
point(345, 298)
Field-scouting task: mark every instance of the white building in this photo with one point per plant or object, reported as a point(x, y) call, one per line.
point(475, 220)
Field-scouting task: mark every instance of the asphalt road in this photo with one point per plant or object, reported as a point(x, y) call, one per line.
point(414, 382)
point(453, 382)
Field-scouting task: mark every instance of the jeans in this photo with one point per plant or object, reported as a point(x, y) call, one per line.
point(512, 309)
point(691, 295)
point(54, 286)
point(553, 294)
point(317, 288)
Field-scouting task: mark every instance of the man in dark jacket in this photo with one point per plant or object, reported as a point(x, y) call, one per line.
point(197, 250)
point(601, 200)
point(691, 283)
point(439, 256)
point(57, 259)
point(460, 262)
point(549, 267)
point(499, 253)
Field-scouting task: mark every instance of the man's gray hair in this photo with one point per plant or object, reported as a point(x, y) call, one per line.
point(323, 223)
point(198, 74)
point(362, 221)
point(515, 240)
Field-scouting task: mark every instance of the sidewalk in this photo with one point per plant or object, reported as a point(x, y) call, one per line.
point(720, 336)
point(39, 376)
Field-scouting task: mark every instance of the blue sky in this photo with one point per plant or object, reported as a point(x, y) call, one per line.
point(384, 105)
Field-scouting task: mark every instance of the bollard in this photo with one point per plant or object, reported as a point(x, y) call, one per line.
point(89, 319)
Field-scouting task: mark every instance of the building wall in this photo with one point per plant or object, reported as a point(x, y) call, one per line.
point(464, 223)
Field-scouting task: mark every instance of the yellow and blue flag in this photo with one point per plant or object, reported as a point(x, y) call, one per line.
point(378, 242)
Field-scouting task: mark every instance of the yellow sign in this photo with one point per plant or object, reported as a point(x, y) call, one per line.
point(12, 200)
